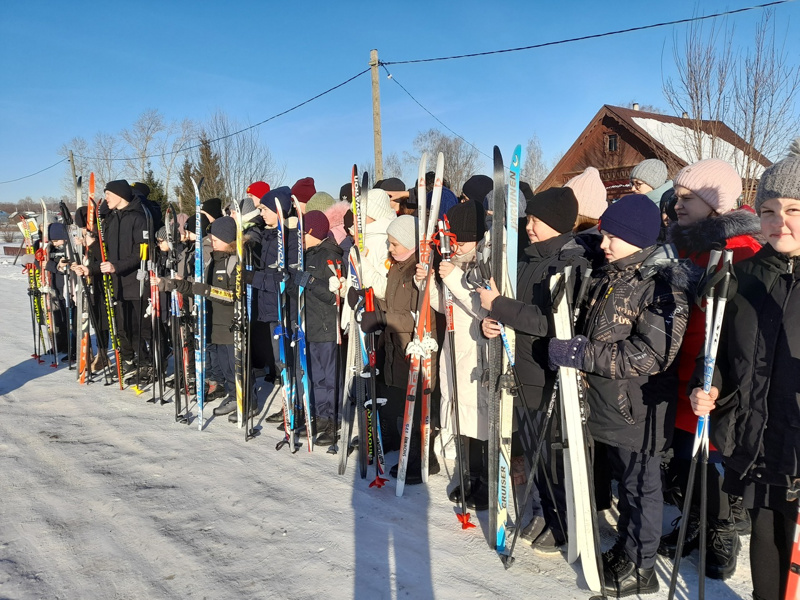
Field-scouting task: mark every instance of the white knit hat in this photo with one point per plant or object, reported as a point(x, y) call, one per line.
point(590, 193)
point(378, 206)
point(404, 230)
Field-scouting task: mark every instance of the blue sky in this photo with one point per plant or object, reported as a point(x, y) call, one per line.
point(77, 68)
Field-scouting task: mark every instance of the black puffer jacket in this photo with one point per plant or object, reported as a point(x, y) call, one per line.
point(124, 230)
point(530, 315)
point(634, 317)
point(756, 424)
point(321, 314)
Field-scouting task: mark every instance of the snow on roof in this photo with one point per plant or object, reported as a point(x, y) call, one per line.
point(680, 140)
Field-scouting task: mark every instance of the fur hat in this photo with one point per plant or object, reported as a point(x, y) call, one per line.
point(378, 206)
point(652, 171)
point(590, 192)
point(782, 179)
point(714, 181)
point(404, 230)
point(633, 218)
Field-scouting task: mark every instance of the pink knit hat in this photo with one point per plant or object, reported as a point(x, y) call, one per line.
point(590, 192)
point(714, 181)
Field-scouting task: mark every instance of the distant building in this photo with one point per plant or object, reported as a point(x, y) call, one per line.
point(617, 139)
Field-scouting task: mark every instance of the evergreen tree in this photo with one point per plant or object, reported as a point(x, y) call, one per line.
point(210, 169)
point(157, 192)
point(184, 191)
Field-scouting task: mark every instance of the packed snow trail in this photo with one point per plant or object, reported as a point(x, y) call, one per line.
point(103, 495)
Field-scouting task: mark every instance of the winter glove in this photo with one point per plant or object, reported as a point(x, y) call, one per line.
point(567, 353)
point(141, 275)
point(166, 285)
point(247, 277)
point(201, 289)
point(301, 278)
point(354, 296)
point(373, 321)
point(335, 284)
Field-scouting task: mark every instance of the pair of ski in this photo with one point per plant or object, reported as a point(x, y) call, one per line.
point(30, 233)
point(421, 348)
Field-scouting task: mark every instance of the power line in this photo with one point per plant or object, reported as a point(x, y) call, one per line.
point(438, 120)
point(32, 174)
point(588, 37)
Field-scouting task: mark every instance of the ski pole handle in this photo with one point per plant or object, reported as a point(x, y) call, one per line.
point(369, 300)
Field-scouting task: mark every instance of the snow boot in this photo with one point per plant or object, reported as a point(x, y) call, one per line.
point(547, 543)
point(227, 406)
point(669, 542)
point(326, 432)
point(723, 546)
point(740, 516)
point(623, 578)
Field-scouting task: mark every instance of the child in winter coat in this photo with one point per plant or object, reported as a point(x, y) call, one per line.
point(754, 407)
point(395, 315)
point(630, 332)
point(706, 192)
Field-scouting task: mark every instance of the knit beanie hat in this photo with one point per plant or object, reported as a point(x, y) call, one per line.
point(404, 230)
point(467, 221)
point(303, 189)
point(714, 181)
point(161, 234)
point(320, 201)
point(634, 218)
point(557, 207)
point(378, 206)
point(348, 220)
point(137, 187)
point(346, 192)
point(191, 224)
point(477, 186)
point(257, 188)
point(213, 207)
point(81, 213)
point(781, 180)
point(224, 228)
point(393, 184)
point(56, 231)
point(248, 209)
point(121, 188)
point(590, 191)
point(652, 171)
point(282, 196)
point(526, 191)
point(315, 223)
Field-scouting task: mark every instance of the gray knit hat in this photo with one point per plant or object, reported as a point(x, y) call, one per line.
point(320, 201)
point(652, 171)
point(781, 180)
point(404, 230)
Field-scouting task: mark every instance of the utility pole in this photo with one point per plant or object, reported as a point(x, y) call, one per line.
point(376, 113)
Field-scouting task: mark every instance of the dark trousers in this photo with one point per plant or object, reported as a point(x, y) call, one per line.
point(770, 551)
point(131, 324)
point(322, 374)
point(221, 361)
point(640, 503)
point(678, 473)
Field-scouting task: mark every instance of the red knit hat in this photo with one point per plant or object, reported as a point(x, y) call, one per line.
point(304, 189)
point(258, 189)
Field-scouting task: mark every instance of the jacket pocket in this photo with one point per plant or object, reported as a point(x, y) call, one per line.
point(624, 403)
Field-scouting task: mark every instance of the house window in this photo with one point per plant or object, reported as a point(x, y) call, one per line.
point(612, 142)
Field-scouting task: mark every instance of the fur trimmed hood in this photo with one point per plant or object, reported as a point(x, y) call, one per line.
point(704, 235)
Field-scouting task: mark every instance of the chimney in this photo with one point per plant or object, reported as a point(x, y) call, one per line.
point(635, 106)
point(685, 115)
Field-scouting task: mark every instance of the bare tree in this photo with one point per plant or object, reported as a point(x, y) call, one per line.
point(765, 91)
point(243, 157)
point(392, 166)
point(460, 158)
point(176, 136)
point(104, 162)
point(702, 89)
point(141, 139)
point(534, 169)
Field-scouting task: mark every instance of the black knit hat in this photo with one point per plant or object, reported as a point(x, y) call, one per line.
point(141, 188)
point(121, 188)
point(191, 224)
point(346, 192)
point(467, 221)
point(557, 207)
point(393, 184)
point(477, 186)
point(80, 216)
point(213, 207)
point(224, 229)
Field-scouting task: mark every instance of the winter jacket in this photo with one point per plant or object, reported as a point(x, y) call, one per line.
point(375, 257)
point(756, 423)
point(470, 350)
point(265, 278)
point(734, 230)
point(530, 315)
point(399, 306)
point(634, 318)
point(124, 230)
point(321, 313)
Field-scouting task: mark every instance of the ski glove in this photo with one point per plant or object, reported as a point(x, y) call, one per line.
point(201, 289)
point(335, 284)
point(354, 296)
point(373, 321)
point(247, 277)
point(302, 278)
point(567, 353)
point(166, 285)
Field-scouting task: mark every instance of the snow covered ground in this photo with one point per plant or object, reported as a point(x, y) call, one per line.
point(103, 496)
